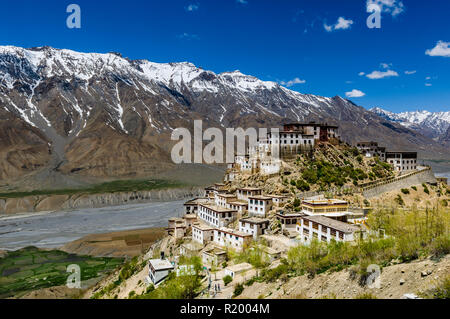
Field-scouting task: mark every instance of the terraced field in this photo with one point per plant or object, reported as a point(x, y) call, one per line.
point(31, 269)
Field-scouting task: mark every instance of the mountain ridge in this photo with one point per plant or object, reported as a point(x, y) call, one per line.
point(105, 116)
point(432, 124)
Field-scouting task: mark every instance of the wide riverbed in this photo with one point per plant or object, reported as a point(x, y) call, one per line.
point(52, 230)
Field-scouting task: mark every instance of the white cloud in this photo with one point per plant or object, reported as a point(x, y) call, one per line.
point(410, 72)
point(188, 36)
point(375, 75)
point(428, 78)
point(394, 7)
point(361, 73)
point(441, 49)
point(355, 93)
point(385, 65)
point(428, 84)
point(328, 28)
point(192, 7)
point(242, 1)
point(293, 82)
point(341, 24)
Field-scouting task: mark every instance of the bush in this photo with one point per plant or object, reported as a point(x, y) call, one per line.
point(238, 290)
point(150, 289)
point(227, 279)
point(355, 151)
point(399, 200)
point(296, 202)
point(414, 188)
point(405, 191)
point(302, 185)
point(271, 275)
point(440, 246)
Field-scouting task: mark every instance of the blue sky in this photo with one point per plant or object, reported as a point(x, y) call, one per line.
point(318, 47)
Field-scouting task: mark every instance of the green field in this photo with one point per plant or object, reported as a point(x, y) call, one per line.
point(109, 187)
point(30, 269)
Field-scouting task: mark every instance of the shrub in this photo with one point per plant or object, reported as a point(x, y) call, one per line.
point(150, 289)
point(310, 175)
point(296, 202)
point(414, 188)
point(227, 279)
point(440, 246)
point(405, 191)
point(271, 275)
point(302, 185)
point(355, 151)
point(399, 200)
point(238, 290)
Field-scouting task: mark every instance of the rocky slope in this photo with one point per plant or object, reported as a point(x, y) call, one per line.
point(89, 115)
point(395, 281)
point(47, 203)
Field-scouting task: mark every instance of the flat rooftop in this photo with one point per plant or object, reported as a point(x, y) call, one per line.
point(332, 223)
point(290, 215)
point(239, 202)
point(277, 196)
point(196, 201)
point(160, 264)
point(226, 195)
point(202, 226)
point(311, 124)
point(240, 267)
point(218, 209)
point(215, 251)
point(296, 132)
point(325, 202)
point(254, 220)
point(233, 232)
point(261, 197)
point(249, 189)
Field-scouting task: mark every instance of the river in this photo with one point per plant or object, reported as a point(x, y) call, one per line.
point(447, 174)
point(52, 230)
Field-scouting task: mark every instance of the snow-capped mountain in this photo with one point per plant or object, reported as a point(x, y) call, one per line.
point(433, 124)
point(94, 114)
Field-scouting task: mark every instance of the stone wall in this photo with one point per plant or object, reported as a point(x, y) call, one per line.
point(417, 178)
